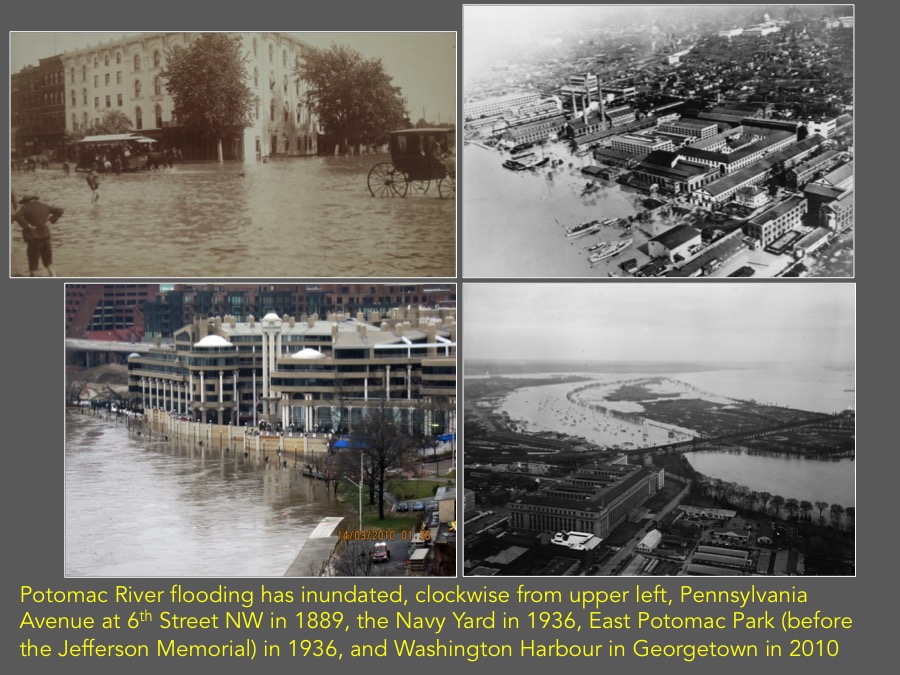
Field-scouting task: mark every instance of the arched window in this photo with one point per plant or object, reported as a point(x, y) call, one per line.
point(272, 110)
point(118, 57)
point(286, 112)
point(284, 82)
point(84, 73)
point(297, 86)
point(106, 60)
point(84, 118)
point(157, 86)
point(74, 99)
point(138, 118)
point(271, 80)
point(84, 96)
point(284, 58)
point(255, 54)
point(159, 119)
point(157, 58)
point(137, 61)
point(74, 122)
point(96, 62)
point(271, 54)
point(299, 112)
point(73, 74)
point(255, 76)
point(137, 88)
point(257, 108)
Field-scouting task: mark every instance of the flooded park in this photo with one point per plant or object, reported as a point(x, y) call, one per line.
point(291, 217)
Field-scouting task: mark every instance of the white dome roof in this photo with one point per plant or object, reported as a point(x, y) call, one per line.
point(213, 341)
point(308, 353)
point(271, 316)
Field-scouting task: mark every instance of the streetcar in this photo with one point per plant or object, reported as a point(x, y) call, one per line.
point(419, 157)
point(101, 152)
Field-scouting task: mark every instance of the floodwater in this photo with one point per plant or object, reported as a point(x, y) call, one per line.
point(292, 217)
point(827, 480)
point(555, 408)
point(142, 507)
point(515, 222)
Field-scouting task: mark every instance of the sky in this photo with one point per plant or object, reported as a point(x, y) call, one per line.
point(423, 65)
point(675, 322)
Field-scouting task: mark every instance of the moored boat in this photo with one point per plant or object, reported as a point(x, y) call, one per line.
point(611, 250)
point(587, 227)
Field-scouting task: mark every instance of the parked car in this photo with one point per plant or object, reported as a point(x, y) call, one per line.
point(380, 552)
point(431, 506)
point(418, 506)
point(402, 506)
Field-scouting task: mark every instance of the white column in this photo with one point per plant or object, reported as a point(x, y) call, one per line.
point(387, 382)
point(409, 381)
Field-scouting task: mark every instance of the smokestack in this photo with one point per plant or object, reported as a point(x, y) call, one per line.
point(600, 98)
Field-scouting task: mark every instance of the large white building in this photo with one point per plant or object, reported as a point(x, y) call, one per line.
point(125, 75)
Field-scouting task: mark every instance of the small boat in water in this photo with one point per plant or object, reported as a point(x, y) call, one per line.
point(610, 250)
point(587, 227)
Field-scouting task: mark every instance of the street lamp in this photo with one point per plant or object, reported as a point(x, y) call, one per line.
point(359, 487)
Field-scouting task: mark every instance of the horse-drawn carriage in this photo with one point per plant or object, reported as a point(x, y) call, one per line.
point(418, 157)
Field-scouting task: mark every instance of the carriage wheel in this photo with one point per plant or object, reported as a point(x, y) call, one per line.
point(447, 187)
point(385, 181)
point(418, 187)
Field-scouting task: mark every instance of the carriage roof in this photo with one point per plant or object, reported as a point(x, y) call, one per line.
point(116, 138)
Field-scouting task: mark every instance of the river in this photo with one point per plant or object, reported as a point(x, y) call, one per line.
point(142, 507)
point(292, 217)
point(514, 222)
point(817, 389)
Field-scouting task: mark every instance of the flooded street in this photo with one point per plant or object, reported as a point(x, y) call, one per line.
point(292, 217)
point(136, 506)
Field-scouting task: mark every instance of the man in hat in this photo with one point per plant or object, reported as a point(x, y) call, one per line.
point(33, 216)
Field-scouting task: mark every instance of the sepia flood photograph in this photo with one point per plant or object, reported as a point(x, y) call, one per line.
point(658, 141)
point(660, 429)
point(244, 430)
point(248, 154)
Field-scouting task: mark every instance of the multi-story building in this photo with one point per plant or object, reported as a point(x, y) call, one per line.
point(594, 500)
point(671, 173)
point(114, 310)
point(690, 127)
point(535, 127)
point(125, 74)
point(802, 174)
point(491, 107)
point(772, 223)
point(38, 110)
point(637, 144)
point(310, 373)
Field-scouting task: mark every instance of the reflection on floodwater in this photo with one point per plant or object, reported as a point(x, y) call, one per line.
point(301, 217)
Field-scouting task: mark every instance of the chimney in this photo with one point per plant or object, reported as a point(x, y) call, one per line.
point(600, 99)
point(334, 332)
point(251, 320)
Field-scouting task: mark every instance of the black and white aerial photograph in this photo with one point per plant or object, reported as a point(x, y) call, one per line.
point(233, 154)
point(660, 429)
point(658, 141)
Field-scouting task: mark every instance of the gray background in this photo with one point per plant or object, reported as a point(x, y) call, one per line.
point(33, 393)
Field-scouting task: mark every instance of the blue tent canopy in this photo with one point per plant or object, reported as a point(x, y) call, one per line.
point(447, 437)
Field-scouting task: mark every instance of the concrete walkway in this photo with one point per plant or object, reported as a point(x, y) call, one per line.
point(317, 550)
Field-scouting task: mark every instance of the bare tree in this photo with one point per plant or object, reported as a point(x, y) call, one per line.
point(350, 558)
point(385, 443)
